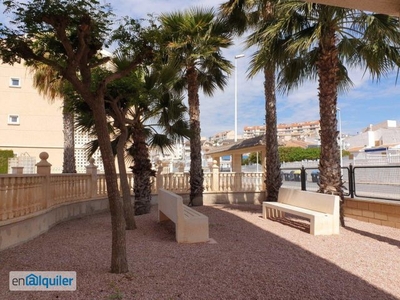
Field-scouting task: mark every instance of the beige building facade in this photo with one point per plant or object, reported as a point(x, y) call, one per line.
point(298, 131)
point(29, 124)
point(287, 132)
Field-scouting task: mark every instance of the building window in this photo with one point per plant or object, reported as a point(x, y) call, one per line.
point(15, 82)
point(13, 119)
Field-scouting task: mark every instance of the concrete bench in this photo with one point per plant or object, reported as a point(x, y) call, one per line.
point(321, 209)
point(190, 225)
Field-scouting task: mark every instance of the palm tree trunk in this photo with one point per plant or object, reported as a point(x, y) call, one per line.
point(142, 173)
point(196, 170)
point(129, 212)
point(119, 263)
point(69, 143)
point(273, 180)
point(329, 164)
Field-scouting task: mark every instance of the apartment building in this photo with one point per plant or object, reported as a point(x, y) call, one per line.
point(253, 131)
point(298, 131)
point(287, 132)
point(30, 124)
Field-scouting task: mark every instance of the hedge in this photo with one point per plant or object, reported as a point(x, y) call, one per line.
point(4, 156)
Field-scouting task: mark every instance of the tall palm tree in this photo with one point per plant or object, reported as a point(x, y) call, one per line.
point(322, 40)
point(254, 15)
point(47, 81)
point(194, 39)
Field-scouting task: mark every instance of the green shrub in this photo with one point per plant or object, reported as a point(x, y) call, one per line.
point(290, 154)
point(4, 156)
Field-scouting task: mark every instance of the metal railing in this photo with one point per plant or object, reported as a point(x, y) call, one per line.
point(377, 182)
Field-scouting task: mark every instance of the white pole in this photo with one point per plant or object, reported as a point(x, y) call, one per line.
point(236, 58)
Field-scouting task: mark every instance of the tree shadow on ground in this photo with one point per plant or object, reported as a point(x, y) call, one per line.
point(289, 219)
point(377, 237)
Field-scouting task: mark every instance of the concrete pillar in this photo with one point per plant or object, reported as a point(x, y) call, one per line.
point(237, 169)
point(92, 170)
point(215, 176)
point(43, 167)
point(160, 182)
point(181, 167)
point(216, 160)
point(236, 163)
point(17, 170)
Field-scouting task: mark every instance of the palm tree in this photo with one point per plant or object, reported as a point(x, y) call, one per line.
point(194, 39)
point(156, 121)
point(322, 40)
point(145, 113)
point(253, 15)
point(49, 84)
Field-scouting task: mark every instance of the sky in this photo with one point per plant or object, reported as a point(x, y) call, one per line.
point(367, 102)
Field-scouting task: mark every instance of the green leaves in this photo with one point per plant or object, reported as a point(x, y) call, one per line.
point(290, 154)
point(42, 29)
point(194, 39)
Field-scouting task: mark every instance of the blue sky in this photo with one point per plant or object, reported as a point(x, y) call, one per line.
point(366, 103)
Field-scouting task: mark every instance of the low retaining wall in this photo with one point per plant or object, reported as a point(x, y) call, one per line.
point(234, 197)
point(19, 230)
point(224, 198)
point(381, 212)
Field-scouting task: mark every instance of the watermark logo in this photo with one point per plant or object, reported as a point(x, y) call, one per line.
point(42, 281)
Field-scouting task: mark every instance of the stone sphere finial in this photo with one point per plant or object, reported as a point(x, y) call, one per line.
point(43, 155)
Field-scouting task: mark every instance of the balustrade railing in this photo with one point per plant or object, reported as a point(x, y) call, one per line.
point(21, 195)
point(66, 188)
point(213, 182)
point(24, 194)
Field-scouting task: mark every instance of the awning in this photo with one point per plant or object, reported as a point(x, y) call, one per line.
point(375, 149)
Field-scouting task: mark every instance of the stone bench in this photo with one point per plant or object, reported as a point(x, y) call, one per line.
point(321, 209)
point(190, 225)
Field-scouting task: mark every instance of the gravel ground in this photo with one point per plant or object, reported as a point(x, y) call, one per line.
point(251, 258)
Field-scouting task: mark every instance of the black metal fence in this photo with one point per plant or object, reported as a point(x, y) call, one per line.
point(378, 182)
